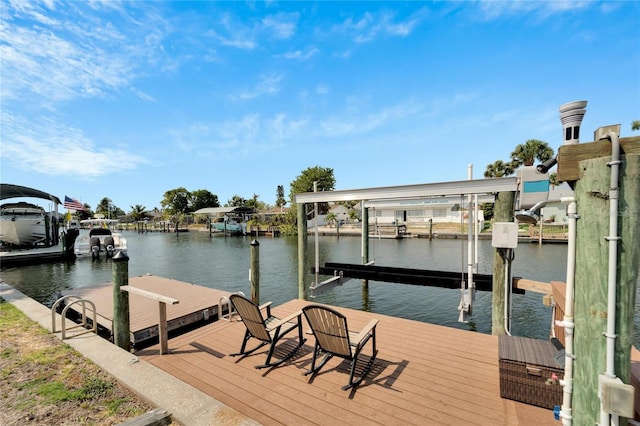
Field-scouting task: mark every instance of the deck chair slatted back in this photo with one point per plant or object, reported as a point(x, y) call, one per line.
point(269, 330)
point(330, 330)
point(333, 338)
point(251, 317)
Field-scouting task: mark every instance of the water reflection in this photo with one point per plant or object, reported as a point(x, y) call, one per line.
point(223, 263)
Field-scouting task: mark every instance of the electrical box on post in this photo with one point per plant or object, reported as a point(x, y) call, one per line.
point(534, 187)
point(504, 235)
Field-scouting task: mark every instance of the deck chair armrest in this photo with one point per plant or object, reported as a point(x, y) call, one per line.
point(267, 306)
point(366, 330)
point(285, 320)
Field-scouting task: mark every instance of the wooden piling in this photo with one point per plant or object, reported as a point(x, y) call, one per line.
point(255, 271)
point(302, 248)
point(120, 278)
point(502, 212)
point(591, 280)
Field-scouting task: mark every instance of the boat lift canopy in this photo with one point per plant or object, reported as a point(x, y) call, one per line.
point(17, 191)
point(463, 187)
point(406, 196)
point(215, 211)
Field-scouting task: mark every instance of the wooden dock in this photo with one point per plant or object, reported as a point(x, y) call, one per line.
point(17, 257)
point(196, 304)
point(424, 375)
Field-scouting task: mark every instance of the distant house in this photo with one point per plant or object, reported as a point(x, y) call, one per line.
point(555, 211)
point(274, 213)
point(444, 209)
point(341, 213)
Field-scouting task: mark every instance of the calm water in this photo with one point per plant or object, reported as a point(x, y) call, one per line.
point(223, 263)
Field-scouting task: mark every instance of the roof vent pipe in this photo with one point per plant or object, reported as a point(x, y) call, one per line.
point(571, 115)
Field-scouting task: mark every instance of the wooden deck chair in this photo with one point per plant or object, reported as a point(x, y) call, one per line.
point(268, 330)
point(334, 338)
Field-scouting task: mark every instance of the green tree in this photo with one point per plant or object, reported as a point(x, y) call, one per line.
point(304, 183)
point(353, 215)
point(203, 198)
point(280, 200)
point(177, 201)
point(500, 169)
point(104, 206)
point(138, 212)
point(108, 209)
point(331, 218)
point(531, 150)
point(255, 203)
point(635, 125)
point(236, 201)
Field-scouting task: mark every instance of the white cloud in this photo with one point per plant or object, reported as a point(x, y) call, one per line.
point(544, 9)
point(355, 123)
point(43, 145)
point(64, 58)
point(282, 25)
point(300, 55)
point(268, 85)
point(371, 25)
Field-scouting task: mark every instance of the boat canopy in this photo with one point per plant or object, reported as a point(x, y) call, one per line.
point(213, 211)
point(16, 191)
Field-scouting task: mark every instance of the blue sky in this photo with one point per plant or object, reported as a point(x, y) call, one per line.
point(127, 100)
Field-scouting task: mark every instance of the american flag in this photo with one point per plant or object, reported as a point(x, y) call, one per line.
point(72, 204)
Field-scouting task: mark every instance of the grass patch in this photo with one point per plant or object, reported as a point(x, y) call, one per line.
point(45, 381)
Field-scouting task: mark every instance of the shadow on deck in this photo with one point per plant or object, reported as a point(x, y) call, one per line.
point(424, 374)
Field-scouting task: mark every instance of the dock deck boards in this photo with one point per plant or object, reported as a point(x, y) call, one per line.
point(144, 312)
point(424, 374)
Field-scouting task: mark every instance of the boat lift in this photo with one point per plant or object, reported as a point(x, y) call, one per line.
point(399, 194)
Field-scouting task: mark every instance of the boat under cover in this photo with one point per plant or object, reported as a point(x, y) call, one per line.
point(22, 224)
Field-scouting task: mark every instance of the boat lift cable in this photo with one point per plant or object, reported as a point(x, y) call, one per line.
point(507, 256)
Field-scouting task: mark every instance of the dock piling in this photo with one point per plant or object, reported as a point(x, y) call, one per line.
point(254, 272)
point(502, 212)
point(120, 277)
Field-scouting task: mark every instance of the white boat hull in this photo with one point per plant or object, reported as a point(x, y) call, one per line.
point(230, 226)
point(102, 230)
point(83, 247)
point(22, 226)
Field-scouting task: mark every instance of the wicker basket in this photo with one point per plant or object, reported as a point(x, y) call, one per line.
point(525, 366)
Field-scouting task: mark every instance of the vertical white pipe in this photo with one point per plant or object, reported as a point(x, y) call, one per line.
point(315, 219)
point(507, 290)
point(477, 231)
point(567, 320)
point(470, 242)
point(613, 238)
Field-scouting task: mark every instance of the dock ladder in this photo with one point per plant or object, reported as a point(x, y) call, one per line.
point(83, 320)
point(230, 311)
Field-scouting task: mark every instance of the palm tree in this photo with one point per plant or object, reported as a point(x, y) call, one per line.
point(353, 215)
point(138, 212)
point(331, 218)
point(499, 169)
point(635, 125)
point(531, 150)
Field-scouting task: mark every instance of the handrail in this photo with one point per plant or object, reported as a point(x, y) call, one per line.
point(163, 334)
